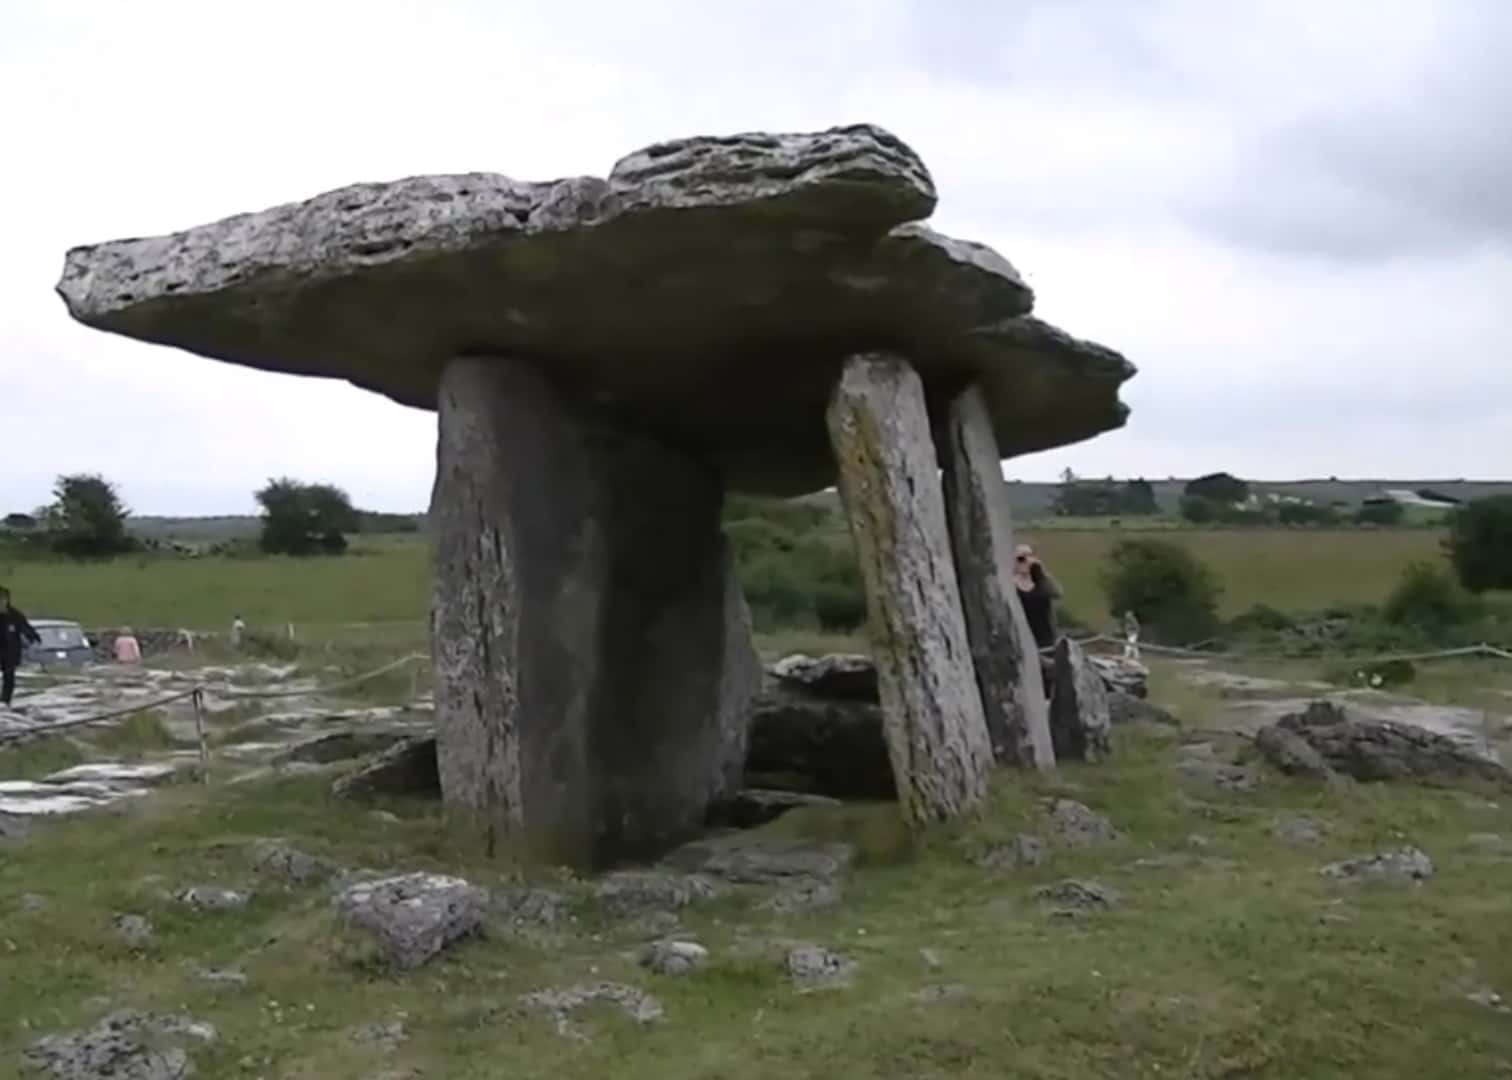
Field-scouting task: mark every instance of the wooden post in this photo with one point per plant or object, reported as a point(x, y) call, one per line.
point(890, 485)
point(981, 532)
point(197, 698)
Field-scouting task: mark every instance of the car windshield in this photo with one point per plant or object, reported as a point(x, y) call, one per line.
point(60, 637)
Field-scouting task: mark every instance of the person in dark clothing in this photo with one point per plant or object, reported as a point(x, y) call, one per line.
point(1037, 592)
point(15, 634)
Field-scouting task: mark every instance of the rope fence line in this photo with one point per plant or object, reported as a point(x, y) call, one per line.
point(196, 693)
point(1483, 649)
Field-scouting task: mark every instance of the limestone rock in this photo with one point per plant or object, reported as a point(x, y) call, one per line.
point(1384, 750)
point(729, 276)
point(1080, 723)
point(834, 677)
point(339, 746)
point(1403, 866)
point(1003, 651)
point(1122, 676)
point(812, 968)
point(1219, 775)
point(1023, 850)
point(562, 1003)
point(1076, 825)
point(126, 1045)
point(406, 768)
point(221, 977)
point(636, 892)
point(889, 483)
point(385, 1036)
point(1124, 708)
point(833, 748)
point(1292, 754)
point(33, 903)
point(804, 895)
point(413, 917)
point(751, 807)
point(518, 908)
point(1078, 896)
point(555, 535)
point(135, 930)
point(673, 957)
point(766, 861)
point(213, 898)
point(279, 860)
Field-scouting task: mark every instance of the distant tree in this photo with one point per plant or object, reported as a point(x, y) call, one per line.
point(1381, 513)
point(305, 519)
point(1480, 543)
point(1139, 497)
point(20, 522)
point(1302, 513)
point(1220, 487)
point(1429, 598)
point(1200, 511)
point(1171, 592)
point(87, 519)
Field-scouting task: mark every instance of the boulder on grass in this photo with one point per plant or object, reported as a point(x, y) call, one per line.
point(1080, 722)
point(406, 768)
point(413, 917)
point(833, 748)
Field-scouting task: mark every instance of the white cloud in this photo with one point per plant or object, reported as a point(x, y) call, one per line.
point(1177, 179)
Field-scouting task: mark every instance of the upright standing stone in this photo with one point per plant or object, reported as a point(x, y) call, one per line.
point(981, 532)
point(889, 481)
point(593, 659)
point(1080, 721)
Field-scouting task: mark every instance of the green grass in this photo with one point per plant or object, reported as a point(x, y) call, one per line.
point(39, 757)
point(387, 583)
point(1252, 968)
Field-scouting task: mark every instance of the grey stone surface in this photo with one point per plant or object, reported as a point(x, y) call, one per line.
point(1124, 708)
point(764, 861)
point(593, 660)
point(834, 676)
point(804, 895)
point(637, 892)
point(221, 977)
point(1077, 825)
point(414, 917)
point(408, 767)
point(1080, 723)
point(125, 1045)
point(673, 957)
point(1024, 850)
point(1403, 866)
point(1292, 754)
point(751, 807)
point(561, 1004)
point(1369, 750)
point(728, 276)
point(1122, 676)
point(332, 746)
point(889, 484)
point(1075, 895)
point(1003, 651)
point(135, 930)
point(813, 968)
point(213, 898)
point(385, 1036)
point(281, 861)
point(32, 903)
point(527, 907)
point(827, 747)
point(1218, 775)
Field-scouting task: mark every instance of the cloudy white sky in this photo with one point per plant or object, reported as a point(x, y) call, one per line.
point(1295, 216)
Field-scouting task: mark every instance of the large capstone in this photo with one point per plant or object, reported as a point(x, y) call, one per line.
point(708, 291)
point(593, 660)
point(890, 485)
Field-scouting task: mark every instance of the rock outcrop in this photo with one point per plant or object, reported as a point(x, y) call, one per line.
point(1080, 723)
point(415, 916)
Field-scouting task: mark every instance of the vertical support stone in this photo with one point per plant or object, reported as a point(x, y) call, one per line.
point(981, 533)
point(594, 668)
point(890, 485)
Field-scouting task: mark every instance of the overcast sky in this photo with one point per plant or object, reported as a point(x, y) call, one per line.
point(1295, 216)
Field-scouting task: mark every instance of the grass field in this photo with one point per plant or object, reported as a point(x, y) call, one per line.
point(387, 581)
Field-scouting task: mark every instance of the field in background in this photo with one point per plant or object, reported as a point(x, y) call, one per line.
point(385, 581)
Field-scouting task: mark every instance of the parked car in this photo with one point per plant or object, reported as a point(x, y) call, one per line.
point(63, 643)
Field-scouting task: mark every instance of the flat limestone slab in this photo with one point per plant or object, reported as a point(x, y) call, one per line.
point(709, 289)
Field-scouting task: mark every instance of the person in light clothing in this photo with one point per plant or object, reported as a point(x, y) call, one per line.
point(128, 650)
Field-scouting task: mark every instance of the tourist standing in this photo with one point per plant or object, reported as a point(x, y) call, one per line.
point(237, 629)
point(15, 634)
point(1037, 592)
point(1131, 636)
point(128, 650)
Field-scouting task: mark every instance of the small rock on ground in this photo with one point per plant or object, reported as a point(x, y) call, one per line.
point(932, 959)
point(524, 907)
point(126, 1045)
point(636, 892)
point(813, 968)
point(1077, 825)
point(1217, 774)
point(224, 977)
point(386, 1037)
point(415, 916)
point(1078, 896)
point(212, 898)
point(1488, 999)
point(673, 957)
point(32, 903)
point(1297, 829)
point(277, 859)
point(801, 896)
point(1023, 850)
point(1401, 867)
point(135, 930)
point(559, 1004)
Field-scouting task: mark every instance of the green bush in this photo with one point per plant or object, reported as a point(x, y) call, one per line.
point(1381, 513)
point(797, 569)
point(1200, 511)
point(1480, 543)
point(1174, 595)
point(1428, 598)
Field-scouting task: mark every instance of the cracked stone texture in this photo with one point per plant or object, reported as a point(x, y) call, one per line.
point(126, 1045)
point(414, 917)
point(729, 277)
point(1402, 866)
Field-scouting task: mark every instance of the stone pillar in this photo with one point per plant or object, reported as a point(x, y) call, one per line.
point(593, 662)
point(981, 532)
point(890, 485)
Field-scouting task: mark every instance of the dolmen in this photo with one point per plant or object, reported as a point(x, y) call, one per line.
point(607, 359)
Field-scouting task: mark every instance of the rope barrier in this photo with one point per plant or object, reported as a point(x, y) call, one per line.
point(197, 693)
point(1483, 649)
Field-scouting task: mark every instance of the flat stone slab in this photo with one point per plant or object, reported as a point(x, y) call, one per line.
point(730, 277)
point(127, 1044)
point(414, 917)
point(113, 772)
